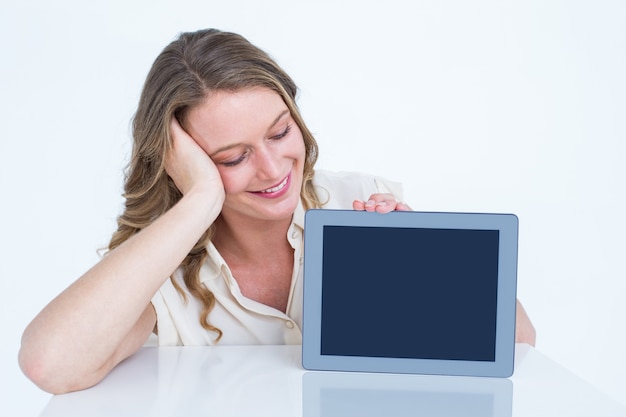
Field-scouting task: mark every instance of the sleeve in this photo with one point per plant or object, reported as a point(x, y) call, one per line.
point(339, 189)
point(386, 186)
point(167, 335)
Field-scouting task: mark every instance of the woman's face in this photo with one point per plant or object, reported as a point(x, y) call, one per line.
point(258, 149)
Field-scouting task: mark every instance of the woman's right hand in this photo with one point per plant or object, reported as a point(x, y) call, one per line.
point(190, 167)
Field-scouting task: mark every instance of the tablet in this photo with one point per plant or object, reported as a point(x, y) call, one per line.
point(410, 292)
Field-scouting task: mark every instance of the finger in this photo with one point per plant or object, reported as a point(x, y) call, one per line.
point(176, 131)
point(385, 206)
point(403, 207)
point(185, 161)
point(379, 197)
point(175, 126)
point(358, 205)
point(381, 203)
point(370, 205)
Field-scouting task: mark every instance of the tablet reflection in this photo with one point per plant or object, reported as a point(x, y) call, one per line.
point(333, 394)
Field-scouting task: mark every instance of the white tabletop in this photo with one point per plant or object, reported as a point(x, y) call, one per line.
point(270, 381)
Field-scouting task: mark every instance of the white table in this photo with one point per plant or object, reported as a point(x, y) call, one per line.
point(270, 381)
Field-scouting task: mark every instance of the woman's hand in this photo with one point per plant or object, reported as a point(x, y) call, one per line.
point(381, 203)
point(189, 166)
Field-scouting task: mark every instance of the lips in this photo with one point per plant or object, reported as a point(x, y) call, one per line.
point(276, 190)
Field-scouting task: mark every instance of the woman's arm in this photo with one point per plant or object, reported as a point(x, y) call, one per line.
point(106, 314)
point(524, 329)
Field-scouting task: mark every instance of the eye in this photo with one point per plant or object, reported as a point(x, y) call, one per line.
point(282, 134)
point(237, 161)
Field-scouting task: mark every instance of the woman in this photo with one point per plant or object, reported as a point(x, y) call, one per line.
point(209, 246)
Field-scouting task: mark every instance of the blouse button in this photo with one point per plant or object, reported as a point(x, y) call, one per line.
point(289, 324)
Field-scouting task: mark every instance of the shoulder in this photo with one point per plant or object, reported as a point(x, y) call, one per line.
point(340, 189)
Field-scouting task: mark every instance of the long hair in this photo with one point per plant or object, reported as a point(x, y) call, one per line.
point(181, 78)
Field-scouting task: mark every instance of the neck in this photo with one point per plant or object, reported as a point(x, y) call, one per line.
point(250, 240)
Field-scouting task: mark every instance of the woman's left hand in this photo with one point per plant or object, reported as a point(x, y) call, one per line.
point(381, 203)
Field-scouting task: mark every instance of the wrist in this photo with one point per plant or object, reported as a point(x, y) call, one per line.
point(204, 203)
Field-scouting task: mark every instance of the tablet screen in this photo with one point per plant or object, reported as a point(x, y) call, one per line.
point(409, 292)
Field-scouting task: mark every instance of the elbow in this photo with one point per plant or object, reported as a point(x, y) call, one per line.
point(35, 370)
point(45, 373)
point(39, 372)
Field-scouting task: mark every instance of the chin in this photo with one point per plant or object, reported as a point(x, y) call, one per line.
point(283, 210)
point(267, 210)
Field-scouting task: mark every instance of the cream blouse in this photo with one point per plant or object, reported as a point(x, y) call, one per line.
point(244, 321)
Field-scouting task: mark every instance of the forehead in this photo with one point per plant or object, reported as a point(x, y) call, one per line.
point(227, 116)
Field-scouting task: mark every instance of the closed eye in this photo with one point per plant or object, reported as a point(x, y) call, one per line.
point(282, 134)
point(237, 161)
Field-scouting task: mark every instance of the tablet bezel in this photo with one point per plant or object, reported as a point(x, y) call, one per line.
point(506, 224)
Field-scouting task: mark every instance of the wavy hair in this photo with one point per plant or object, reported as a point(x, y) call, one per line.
point(181, 78)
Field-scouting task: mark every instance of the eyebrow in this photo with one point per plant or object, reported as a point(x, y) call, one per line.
point(234, 145)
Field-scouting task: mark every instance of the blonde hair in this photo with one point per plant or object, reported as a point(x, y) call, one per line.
point(181, 77)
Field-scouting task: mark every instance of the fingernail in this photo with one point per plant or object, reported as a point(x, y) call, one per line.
point(370, 203)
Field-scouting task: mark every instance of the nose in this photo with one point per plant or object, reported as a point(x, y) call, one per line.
point(268, 165)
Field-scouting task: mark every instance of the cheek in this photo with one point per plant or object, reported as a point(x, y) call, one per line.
point(232, 180)
point(299, 150)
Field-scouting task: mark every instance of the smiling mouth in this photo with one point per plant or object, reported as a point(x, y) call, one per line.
point(276, 188)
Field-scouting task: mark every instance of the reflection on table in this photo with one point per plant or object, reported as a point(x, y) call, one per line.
point(270, 381)
point(364, 395)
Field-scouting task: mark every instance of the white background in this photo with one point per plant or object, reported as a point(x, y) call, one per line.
point(495, 106)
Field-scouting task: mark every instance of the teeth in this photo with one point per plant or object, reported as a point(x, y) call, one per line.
point(277, 188)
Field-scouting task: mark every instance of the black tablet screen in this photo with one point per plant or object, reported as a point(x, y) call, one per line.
point(409, 292)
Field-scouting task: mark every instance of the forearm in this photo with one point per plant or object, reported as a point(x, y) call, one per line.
point(524, 329)
point(87, 328)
